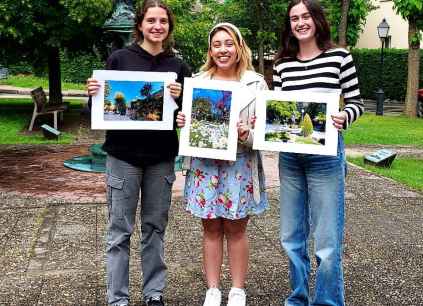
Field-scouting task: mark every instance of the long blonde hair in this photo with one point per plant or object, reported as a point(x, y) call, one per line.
point(244, 58)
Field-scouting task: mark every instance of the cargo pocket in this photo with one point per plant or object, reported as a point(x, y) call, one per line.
point(115, 194)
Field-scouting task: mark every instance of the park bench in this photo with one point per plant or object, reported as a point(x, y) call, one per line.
point(42, 107)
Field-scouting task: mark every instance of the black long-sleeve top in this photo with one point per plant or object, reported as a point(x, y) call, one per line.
point(144, 147)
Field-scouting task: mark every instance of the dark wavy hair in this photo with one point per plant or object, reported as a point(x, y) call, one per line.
point(142, 10)
point(290, 46)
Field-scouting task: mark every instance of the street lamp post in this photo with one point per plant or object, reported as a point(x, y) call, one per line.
point(382, 31)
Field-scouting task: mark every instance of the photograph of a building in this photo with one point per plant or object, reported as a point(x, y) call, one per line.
point(133, 100)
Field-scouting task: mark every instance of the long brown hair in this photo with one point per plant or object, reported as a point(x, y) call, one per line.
point(142, 10)
point(290, 46)
point(244, 58)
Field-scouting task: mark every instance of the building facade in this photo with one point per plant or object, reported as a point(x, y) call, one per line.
point(398, 32)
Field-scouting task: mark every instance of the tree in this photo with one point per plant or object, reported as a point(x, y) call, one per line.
point(307, 125)
point(260, 22)
point(347, 19)
point(281, 111)
point(194, 21)
point(343, 24)
point(43, 28)
point(146, 90)
point(412, 11)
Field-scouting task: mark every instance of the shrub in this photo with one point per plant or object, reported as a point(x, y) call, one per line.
point(394, 74)
point(307, 125)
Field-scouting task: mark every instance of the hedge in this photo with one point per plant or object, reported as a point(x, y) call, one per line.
point(394, 72)
point(74, 68)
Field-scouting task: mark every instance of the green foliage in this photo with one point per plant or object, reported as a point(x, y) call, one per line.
point(193, 23)
point(307, 125)
point(394, 72)
point(283, 111)
point(201, 109)
point(79, 66)
point(357, 13)
point(386, 130)
point(259, 21)
point(411, 10)
point(75, 67)
point(404, 170)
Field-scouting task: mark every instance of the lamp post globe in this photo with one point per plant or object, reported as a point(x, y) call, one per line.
point(382, 32)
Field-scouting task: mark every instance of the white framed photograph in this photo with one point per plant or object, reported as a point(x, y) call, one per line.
point(296, 121)
point(211, 109)
point(132, 100)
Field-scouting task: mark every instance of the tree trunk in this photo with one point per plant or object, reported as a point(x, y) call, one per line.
point(413, 69)
point(259, 7)
point(54, 78)
point(343, 24)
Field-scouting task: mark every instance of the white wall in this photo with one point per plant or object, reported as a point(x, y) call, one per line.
point(398, 27)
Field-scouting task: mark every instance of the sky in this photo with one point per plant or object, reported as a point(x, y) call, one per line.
point(131, 89)
point(212, 95)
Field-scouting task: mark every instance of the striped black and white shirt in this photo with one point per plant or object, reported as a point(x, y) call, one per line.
point(332, 70)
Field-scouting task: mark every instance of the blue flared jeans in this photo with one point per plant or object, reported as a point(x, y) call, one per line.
point(312, 202)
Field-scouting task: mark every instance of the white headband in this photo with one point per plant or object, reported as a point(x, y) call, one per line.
point(229, 25)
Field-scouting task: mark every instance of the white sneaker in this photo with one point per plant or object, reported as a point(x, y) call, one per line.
point(237, 297)
point(213, 297)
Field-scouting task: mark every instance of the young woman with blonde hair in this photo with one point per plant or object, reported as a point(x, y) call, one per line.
point(222, 193)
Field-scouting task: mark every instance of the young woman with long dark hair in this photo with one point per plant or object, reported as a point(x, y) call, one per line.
point(141, 161)
point(312, 186)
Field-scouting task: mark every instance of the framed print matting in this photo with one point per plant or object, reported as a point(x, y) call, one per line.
point(132, 100)
point(296, 121)
point(211, 109)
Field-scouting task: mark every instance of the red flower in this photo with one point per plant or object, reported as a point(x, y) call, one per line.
point(249, 187)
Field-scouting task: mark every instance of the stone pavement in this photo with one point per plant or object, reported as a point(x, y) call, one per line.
point(52, 227)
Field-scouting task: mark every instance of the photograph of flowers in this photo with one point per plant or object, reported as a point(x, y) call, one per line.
point(296, 123)
point(133, 100)
point(211, 116)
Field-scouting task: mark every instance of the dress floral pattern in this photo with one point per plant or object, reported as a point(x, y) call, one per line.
point(218, 188)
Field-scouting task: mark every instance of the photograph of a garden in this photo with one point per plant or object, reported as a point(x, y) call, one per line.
point(295, 122)
point(133, 100)
point(210, 118)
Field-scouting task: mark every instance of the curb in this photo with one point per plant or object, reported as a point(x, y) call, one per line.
point(25, 91)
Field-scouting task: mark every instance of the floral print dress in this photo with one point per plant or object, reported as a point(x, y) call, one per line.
point(223, 189)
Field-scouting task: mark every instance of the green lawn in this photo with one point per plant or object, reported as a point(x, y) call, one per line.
point(15, 115)
point(386, 130)
point(29, 81)
point(405, 170)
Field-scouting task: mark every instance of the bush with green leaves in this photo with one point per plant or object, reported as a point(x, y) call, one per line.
point(394, 76)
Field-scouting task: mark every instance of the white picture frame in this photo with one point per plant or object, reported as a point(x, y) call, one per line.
point(210, 128)
point(120, 103)
point(281, 122)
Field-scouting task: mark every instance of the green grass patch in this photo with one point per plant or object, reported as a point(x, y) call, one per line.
point(386, 130)
point(13, 125)
point(404, 170)
point(15, 115)
point(30, 81)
